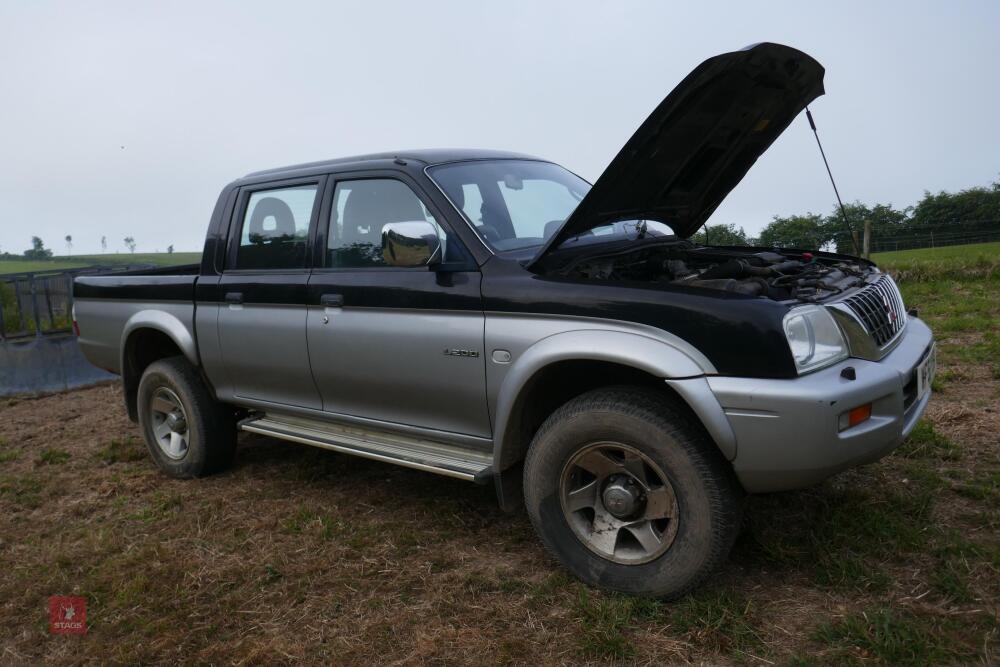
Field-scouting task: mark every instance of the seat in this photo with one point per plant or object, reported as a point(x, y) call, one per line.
point(271, 247)
point(369, 207)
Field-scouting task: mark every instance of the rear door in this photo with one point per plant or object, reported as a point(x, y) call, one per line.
point(262, 320)
point(401, 346)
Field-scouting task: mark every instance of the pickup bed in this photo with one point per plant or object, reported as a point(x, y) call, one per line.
point(493, 317)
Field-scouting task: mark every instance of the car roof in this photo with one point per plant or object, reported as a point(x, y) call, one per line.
point(425, 157)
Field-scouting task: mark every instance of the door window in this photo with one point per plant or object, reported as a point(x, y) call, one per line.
point(360, 210)
point(276, 228)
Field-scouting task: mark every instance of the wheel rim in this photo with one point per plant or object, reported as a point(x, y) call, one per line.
point(170, 425)
point(619, 503)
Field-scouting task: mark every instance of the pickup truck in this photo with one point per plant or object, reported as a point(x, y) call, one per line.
point(493, 317)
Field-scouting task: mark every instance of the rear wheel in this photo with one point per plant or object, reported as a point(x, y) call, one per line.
point(629, 495)
point(187, 432)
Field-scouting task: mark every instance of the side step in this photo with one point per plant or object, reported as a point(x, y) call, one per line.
point(422, 454)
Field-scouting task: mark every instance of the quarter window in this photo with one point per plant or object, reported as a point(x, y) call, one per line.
point(276, 228)
point(360, 210)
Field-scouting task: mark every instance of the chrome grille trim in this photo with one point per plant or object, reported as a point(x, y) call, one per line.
point(879, 307)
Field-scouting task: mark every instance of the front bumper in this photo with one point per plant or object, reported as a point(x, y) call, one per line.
point(786, 431)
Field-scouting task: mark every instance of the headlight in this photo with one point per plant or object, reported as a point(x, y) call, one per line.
point(814, 338)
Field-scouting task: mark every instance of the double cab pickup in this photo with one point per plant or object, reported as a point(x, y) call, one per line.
point(493, 317)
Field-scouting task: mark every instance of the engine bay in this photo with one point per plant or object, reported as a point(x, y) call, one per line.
point(781, 276)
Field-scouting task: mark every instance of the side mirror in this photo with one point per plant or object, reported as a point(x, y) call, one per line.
point(410, 244)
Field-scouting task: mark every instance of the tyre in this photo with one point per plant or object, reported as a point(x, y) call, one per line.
point(629, 495)
point(188, 433)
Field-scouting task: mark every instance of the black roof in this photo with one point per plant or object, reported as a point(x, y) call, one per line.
point(424, 156)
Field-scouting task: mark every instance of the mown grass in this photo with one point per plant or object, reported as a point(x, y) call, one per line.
point(850, 533)
point(23, 491)
point(926, 442)
point(979, 261)
point(7, 454)
point(723, 620)
point(122, 450)
point(298, 555)
point(605, 623)
point(888, 636)
point(61, 263)
point(52, 456)
point(953, 254)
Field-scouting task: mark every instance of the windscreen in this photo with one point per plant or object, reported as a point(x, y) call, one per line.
point(511, 204)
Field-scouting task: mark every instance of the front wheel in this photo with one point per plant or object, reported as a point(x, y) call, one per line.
point(188, 433)
point(629, 495)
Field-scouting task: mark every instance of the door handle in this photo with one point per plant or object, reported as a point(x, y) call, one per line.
point(332, 300)
point(234, 297)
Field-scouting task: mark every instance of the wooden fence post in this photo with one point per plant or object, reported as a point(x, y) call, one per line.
point(866, 250)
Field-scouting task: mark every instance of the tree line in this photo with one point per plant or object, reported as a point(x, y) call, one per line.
point(944, 218)
point(39, 251)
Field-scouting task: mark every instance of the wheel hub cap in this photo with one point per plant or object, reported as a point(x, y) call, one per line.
point(169, 422)
point(622, 496)
point(619, 502)
point(176, 422)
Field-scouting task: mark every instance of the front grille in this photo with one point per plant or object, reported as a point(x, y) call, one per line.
point(880, 308)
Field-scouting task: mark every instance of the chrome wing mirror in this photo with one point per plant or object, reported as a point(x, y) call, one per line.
point(413, 243)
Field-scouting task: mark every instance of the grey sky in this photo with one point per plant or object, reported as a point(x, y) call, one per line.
point(200, 93)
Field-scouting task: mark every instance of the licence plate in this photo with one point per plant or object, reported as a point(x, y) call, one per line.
point(925, 372)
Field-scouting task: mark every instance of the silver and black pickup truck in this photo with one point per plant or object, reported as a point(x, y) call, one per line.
point(493, 317)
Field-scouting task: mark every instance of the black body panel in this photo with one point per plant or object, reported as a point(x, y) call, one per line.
point(740, 335)
point(700, 141)
point(394, 288)
point(148, 286)
point(263, 287)
point(678, 166)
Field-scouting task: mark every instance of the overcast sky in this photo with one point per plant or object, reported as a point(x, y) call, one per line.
point(127, 118)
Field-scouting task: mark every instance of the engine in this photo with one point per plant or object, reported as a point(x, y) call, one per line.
point(779, 276)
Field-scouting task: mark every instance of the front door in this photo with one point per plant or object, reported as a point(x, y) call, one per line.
point(262, 320)
point(397, 345)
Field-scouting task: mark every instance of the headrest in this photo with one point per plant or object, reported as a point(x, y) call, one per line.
point(551, 227)
point(284, 221)
point(378, 202)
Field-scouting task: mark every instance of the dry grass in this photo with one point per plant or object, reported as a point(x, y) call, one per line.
point(299, 555)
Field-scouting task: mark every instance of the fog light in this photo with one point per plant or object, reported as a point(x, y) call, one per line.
point(855, 416)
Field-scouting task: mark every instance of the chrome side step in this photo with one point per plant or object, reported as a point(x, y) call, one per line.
point(402, 450)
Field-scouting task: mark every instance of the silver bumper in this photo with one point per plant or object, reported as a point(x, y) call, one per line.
point(786, 431)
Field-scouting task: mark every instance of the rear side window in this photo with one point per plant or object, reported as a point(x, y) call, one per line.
point(360, 210)
point(276, 228)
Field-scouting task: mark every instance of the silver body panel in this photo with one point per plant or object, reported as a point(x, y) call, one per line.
point(105, 325)
point(390, 365)
point(265, 354)
point(206, 319)
point(787, 430)
point(535, 341)
point(386, 371)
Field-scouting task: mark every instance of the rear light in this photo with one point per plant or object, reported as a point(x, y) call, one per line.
point(76, 327)
point(855, 416)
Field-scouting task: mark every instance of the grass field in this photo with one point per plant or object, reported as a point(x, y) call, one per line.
point(975, 261)
point(303, 556)
point(955, 253)
point(61, 263)
point(942, 258)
